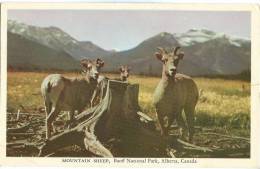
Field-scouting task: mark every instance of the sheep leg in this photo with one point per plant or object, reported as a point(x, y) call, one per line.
point(50, 119)
point(48, 106)
point(164, 131)
point(170, 121)
point(71, 118)
point(181, 124)
point(189, 113)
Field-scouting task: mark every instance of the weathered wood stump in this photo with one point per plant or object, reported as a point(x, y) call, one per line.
point(113, 124)
point(113, 128)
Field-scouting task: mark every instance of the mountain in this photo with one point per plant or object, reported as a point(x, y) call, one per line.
point(25, 54)
point(96, 50)
point(206, 52)
point(219, 56)
point(56, 39)
point(141, 57)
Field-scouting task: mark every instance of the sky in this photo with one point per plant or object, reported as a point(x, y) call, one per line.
point(122, 29)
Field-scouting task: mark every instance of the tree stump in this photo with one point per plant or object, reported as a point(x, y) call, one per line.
point(113, 128)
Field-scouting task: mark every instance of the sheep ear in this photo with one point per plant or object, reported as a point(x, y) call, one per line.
point(158, 56)
point(84, 63)
point(181, 55)
point(176, 50)
point(120, 69)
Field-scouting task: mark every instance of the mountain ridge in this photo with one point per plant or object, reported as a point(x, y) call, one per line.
point(206, 51)
point(55, 38)
point(24, 54)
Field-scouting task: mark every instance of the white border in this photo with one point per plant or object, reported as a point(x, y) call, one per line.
point(209, 162)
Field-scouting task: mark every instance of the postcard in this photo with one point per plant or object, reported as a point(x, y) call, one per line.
point(130, 84)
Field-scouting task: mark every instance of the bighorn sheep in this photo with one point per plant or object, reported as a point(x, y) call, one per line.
point(102, 81)
point(69, 94)
point(174, 93)
point(124, 73)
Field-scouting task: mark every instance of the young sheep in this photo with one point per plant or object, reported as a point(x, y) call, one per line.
point(69, 94)
point(124, 73)
point(102, 83)
point(174, 93)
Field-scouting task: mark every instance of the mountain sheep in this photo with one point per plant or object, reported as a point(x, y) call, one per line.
point(102, 83)
point(174, 93)
point(124, 73)
point(69, 94)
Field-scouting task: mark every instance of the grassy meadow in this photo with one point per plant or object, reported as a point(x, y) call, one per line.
point(223, 103)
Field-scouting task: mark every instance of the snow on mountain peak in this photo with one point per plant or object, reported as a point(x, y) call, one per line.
point(194, 36)
point(16, 27)
point(45, 35)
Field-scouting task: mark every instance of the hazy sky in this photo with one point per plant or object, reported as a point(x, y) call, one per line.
point(122, 30)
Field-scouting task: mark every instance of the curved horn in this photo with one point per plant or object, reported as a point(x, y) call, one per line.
point(84, 63)
point(176, 50)
point(161, 49)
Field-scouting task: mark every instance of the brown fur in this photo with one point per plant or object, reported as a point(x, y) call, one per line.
point(69, 94)
point(124, 73)
point(175, 93)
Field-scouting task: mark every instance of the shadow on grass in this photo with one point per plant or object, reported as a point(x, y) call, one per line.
point(238, 120)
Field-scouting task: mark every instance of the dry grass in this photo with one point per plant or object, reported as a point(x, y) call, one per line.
point(222, 103)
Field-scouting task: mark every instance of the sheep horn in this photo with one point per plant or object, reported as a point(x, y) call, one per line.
point(176, 50)
point(161, 49)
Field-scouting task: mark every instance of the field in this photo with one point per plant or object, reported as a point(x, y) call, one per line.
point(224, 105)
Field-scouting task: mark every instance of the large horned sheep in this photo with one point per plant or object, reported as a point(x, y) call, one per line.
point(174, 93)
point(69, 94)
